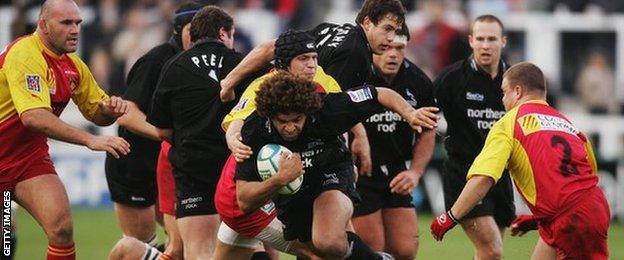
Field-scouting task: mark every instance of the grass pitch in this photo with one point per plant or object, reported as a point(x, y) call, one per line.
point(96, 231)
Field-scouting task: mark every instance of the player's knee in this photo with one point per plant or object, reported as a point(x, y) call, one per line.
point(331, 246)
point(403, 252)
point(61, 232)
point(491, 252)
point(127, 248)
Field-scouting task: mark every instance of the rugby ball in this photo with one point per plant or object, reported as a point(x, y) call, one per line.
point(268, 165)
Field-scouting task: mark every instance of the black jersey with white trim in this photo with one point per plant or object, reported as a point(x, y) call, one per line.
point(344, 53)
point(471, 101)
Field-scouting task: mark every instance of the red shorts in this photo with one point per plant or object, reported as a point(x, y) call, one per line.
point(31, 166)
point(248, 225)
point(165, 181)
point(581, 231)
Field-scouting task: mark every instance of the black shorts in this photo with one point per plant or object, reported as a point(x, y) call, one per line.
point(499, 202)
point(375, 190)
point(296, 211)
point(131, 180)
point(195, 196)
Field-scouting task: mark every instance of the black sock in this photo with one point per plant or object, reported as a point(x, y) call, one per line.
point(260, 256)
point(358, 249)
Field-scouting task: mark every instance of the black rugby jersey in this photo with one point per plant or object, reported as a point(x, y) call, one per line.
point(319, 143)
point(344, 53)
point(391, 138)
point(471, 102)
point(187, 101)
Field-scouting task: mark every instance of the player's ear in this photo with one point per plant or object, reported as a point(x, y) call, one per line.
point(42, 25)
point(367, 23)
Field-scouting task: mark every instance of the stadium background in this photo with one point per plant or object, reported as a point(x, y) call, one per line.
point(578, 44)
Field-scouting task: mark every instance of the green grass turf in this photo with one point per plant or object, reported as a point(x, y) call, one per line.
point(96, 232)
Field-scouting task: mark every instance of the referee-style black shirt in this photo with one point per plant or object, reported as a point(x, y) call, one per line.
point(141, 83)
point(472, 102)
point(391, 138)
point(344, 53)
point(187, 101)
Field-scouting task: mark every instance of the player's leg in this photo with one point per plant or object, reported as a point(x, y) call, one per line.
point(370, 228)
point(232, 245)
point(367, 219)
point(166, 202)
point(401, 232)
point(198, 235)
point(332, 212)
point(138, 222)
point(45, 198)
point(543, 251)
point(485, 236)
point(174, 247)
point(130, 248)
point(133, 191)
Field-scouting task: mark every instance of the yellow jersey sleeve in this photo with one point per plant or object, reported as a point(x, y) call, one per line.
point(328, 82)
point(591, 157)
point(25, 72)
point(495, 154)
point(247, 103)
point(88, 93)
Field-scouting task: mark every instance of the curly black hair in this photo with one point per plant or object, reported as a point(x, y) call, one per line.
point(286, 93)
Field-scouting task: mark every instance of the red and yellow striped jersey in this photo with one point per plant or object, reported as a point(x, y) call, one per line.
point(32, 76)
point(549, 159)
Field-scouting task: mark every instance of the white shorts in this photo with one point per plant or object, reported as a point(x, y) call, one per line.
point(271, 235)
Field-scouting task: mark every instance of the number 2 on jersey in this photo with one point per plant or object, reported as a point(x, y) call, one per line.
point(566, 166)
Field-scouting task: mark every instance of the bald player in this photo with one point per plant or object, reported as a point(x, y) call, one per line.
point(39, 74)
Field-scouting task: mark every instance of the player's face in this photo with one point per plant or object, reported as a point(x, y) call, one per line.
point(380, 35)
point(487, 41)
point(61, 27)
point(390, 61)
point(304, 65)
point(227, 37)
point(289, 125)
point(510, 95)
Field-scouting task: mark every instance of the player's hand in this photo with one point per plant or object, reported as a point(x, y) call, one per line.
point(360, 149)
point(290, 167)
point(110, 144)
point(240, 151)
point(423, 117)
point(523, 224)
point(441, 224)
point(227, 91)
point(114, 107)
point(404, 182)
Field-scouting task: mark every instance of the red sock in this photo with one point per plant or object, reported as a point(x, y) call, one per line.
point(67, 252)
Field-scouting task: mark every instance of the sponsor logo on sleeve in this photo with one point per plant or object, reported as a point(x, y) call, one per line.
point(360, 95)
point(33, 82)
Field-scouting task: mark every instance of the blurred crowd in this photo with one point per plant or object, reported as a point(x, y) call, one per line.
point(115, 33)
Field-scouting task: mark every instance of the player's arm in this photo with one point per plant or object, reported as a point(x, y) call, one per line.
point(255, 60)
point(234, 141)
point(485, 171)
point(41, 119)
point(417, 118)
point(109, 110)
point(360, 148)
point(422, 151)
point(252, 195)
point(135, 121)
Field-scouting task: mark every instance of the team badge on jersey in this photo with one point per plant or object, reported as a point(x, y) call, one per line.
point(360, 95)
point(33, 82)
